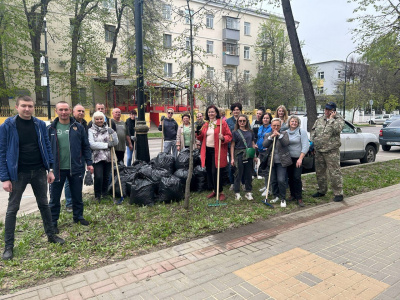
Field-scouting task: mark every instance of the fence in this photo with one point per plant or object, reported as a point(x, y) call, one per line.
point(40, 111)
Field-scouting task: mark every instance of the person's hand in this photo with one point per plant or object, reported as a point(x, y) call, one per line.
point(256, 146)
point(133, 138)
point(7, 186)
point(50, 178)
point(299, 162)
point(90, 168)
point(110, 144)
point(275, 133)
point(162, 118)
point(255, 159)
point(221, 137)
point(178, 147)
point(130, 147)
point(332, 115)
point(110, 130)
point(233, 162)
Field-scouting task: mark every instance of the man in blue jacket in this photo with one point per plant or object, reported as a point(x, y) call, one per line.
point(25, 155)
point(71, 150)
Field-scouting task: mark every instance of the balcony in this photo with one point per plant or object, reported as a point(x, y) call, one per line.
point(230, 34)
point(230, 60)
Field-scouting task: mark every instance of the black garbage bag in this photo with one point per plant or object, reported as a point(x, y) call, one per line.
point(165, 161)
point(145, 172)
point(182, 174)
point(88, 179)
point(182, 160)
point(170, 189)
point(124, 180)
point(157, 174)
point(142, 192)
point(196, 158)
point(199, 180)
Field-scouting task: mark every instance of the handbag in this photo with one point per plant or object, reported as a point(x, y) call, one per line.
point(250, 152)
point(308, 161)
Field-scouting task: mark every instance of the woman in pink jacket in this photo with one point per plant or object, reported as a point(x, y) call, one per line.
point(209, 137)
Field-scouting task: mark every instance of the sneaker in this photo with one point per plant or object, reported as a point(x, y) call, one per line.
point(56, 231)
point(317, 195)
point(55, 239)
point(264, 193)
point(260, 177)
point(213, 194)
point(263, 189)
point(283, 203)
point(276, 199)
point(231, 187)
point(300, 203)
point(249, 196)
point(338, 198)
point(8, 253)
point(68, 209)
point(238, 197)
point(222, 197)
point(83, 222)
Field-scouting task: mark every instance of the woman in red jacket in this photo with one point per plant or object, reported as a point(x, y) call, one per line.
point(209, 137)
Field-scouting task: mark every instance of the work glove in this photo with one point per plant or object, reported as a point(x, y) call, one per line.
point(162, 118)
point(110, 144)
point(133, 138)
point(88, 179)
point(110, 130)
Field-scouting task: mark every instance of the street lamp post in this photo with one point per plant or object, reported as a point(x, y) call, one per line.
point(142, 129)
point(345, 84)
point(46, 57)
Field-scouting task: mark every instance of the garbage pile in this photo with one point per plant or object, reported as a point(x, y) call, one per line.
point(163, 179)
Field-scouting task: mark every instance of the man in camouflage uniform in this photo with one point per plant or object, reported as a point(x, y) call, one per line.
point(326, 137)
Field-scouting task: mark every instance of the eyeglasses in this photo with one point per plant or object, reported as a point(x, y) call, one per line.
point(170, 113)
point(242, 121)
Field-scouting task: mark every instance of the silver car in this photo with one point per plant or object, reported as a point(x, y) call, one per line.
point(393, 118)
point(379, 119)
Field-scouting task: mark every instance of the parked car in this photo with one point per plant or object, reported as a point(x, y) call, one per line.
point(390, 135)
point(355, 143)
point(379, 119)
point(393, 118)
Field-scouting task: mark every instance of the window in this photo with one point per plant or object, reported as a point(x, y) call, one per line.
point(246, 76)
point(114, 65)
point(167, 41)
point(231, 49)
point(80, 64)
point(339, 74)
point(188, 71)
point(263, 56)
point(210, 21)
point(320, 90)
point(168, 70)
point(210, 47)
point(232, 23)
point(187, 16)
point(246, 52)
point(228, 74)
point(109, 4)
point(210, 98)
point(321, 75)
point(166, 11)
point(187, 43)
point(246, 28)
point(210, 73)
point(109, 32)
point(228, 99)
point(82, 95)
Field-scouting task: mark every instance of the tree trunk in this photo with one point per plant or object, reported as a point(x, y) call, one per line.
point(300, 64)
point(74, 61)
point(3, 83)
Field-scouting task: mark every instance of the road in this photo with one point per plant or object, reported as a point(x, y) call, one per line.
point(28, 203)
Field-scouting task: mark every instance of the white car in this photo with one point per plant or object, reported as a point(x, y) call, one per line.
point(355, 143)
point(380, 119)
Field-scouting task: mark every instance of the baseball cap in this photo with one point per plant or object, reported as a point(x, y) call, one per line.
point(330, 105)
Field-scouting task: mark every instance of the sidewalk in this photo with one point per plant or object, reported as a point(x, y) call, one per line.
point(348, 250)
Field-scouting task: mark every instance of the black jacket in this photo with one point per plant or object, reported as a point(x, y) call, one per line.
point(170, 129)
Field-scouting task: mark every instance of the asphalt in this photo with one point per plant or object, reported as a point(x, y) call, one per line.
point(345, 250)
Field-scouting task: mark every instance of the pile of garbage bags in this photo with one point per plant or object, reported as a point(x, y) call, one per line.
point(163, 179)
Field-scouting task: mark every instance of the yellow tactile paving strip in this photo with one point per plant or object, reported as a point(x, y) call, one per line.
point(394, 214)
point(276, 276)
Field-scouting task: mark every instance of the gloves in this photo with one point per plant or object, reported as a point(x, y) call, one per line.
point(162, 118)
point(110, 144)
point(110, 130)
point(133, 138)
point(88, 179)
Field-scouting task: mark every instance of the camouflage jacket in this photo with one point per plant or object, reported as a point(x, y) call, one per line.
point(326, 133)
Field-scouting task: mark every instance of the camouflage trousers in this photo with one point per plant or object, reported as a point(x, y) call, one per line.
point(328, 163)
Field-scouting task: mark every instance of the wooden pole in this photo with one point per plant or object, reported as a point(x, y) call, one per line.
point(219, 158)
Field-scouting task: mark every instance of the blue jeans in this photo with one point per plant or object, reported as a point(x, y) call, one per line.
point(170, 146)
point(75, 184)
point(278, 181)
point(38, 181)
point(67, 192)
point(129, 154)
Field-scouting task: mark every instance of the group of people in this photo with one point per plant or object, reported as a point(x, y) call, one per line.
point(58, 154)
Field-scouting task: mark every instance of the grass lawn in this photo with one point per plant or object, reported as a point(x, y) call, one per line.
point(121, 232)
point(154, 134)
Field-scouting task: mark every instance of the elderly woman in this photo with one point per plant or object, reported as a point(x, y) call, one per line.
point(101, 139)
point(298, 148)
point(209, 137)
point(282, 113)
point(281, 160)
point(183, 134)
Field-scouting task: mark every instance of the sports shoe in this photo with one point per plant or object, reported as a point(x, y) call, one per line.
point(338, 198)
point(283, 203)
point(222, 197)
point(264, 193)
point(83, 222)
point(317, 195)
point(300, 203)
point(260, 177)
point(8, 253)
point(263, 189)
point(211, 195)
point(231, 187)
point(68, 209)
point(249, 196)
point(238, 197)
point(55, 239)
point(276, 199)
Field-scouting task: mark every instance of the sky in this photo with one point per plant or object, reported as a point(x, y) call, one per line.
point(323, 28)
